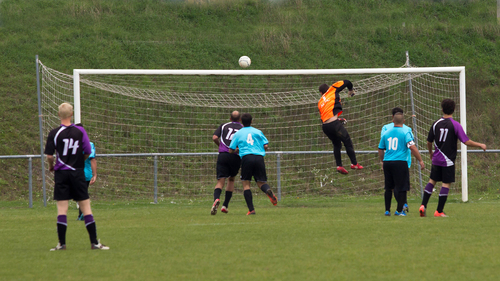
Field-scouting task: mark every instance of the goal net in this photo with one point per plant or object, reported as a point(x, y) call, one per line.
point(153, 128)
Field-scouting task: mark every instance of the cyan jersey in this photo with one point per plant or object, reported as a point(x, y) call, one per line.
point(390, 126)
point(396, 142)
point(250, 141)
point(88, 168)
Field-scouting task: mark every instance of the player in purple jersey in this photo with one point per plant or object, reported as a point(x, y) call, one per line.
point(228, 164)
point(444, 134)
point(72, 147)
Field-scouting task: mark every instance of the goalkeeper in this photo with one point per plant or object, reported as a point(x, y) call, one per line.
point(330, 108)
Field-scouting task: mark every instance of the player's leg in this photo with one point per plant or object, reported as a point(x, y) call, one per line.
point(246, 177)
point(349, 147)
point(448, 177)
point(331, 132)
point(228, 195)
point(401, 179)
point(247, 193)
point(443, 196)
point(80, 214)
point(81, 195)
point(217, 192)
point(260, 176)
point(62, 195)
point(433, 179)
point(62, 224)
point(234, 167)
point(388, 186)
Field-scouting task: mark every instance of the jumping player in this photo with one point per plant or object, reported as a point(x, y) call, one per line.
point(444, 134)
point(330, 108)
point(228, 164)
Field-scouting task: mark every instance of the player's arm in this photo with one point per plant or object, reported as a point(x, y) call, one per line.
point(50, 160)
point(476, 144)
point(85, 156)
point(429, 147)
point(216, 139)
point(381, 153)
point(266, 146)
point(93, 166)
point(416, 153)
point(350, 87)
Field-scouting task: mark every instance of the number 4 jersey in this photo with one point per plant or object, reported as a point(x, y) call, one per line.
point(444, 133)
point(250, 141)
point(70, 143)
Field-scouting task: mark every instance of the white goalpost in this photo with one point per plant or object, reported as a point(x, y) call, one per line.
point(154, 127)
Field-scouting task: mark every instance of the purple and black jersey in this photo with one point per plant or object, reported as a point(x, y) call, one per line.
point(225, 133)
point(70, 144)
point(444, 133)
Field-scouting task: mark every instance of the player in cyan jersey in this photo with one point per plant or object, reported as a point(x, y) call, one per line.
point(330, 108)
point(72, 146)
point(444, 135)
point(228, 164)
point(252, 145)
point(397, 143)
point(90, 172)
point(406, 128)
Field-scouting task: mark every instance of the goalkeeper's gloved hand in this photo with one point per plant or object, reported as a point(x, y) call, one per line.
point(351, 93)
point(343, 120)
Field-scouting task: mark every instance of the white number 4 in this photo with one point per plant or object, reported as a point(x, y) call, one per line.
point(249, 139)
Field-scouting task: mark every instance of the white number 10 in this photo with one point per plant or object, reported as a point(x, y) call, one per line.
point(393, 143)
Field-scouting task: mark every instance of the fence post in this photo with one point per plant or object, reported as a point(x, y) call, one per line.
point(30, 182)
point(156, 179)
point(278, 171)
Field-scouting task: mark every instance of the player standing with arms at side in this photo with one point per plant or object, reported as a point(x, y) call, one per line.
point(444, 133)
point(397, 142)
point(330, 108)
point(72, 147)
point(406, 128)
point(252, 146)
point(228, 164)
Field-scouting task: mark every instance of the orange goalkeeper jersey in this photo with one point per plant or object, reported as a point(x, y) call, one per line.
point(330, 103)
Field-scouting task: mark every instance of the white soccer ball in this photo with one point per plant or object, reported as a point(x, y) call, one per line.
point(244, 61)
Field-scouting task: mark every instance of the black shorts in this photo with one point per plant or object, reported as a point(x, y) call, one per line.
point(397, 175)
point(228, 165)
point(253, 166)
point(443, 174)
point(70, 185)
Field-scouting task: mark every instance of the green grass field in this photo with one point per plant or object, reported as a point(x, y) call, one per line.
point(300, 239)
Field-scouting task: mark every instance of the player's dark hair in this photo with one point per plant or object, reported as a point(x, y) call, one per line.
point(246, 119)
point(448, 106)
point(323, 88)
point(235, 117)
point(396, 110)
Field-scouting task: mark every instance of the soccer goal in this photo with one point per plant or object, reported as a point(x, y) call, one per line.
point(153, 128)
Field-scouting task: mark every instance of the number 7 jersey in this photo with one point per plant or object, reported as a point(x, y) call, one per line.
point(444, 133)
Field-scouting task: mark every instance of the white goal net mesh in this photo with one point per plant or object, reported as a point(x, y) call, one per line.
point(132, 117)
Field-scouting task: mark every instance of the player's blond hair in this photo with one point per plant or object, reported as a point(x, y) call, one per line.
point(65, 110)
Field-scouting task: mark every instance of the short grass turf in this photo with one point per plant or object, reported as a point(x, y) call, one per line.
point(300, 239)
